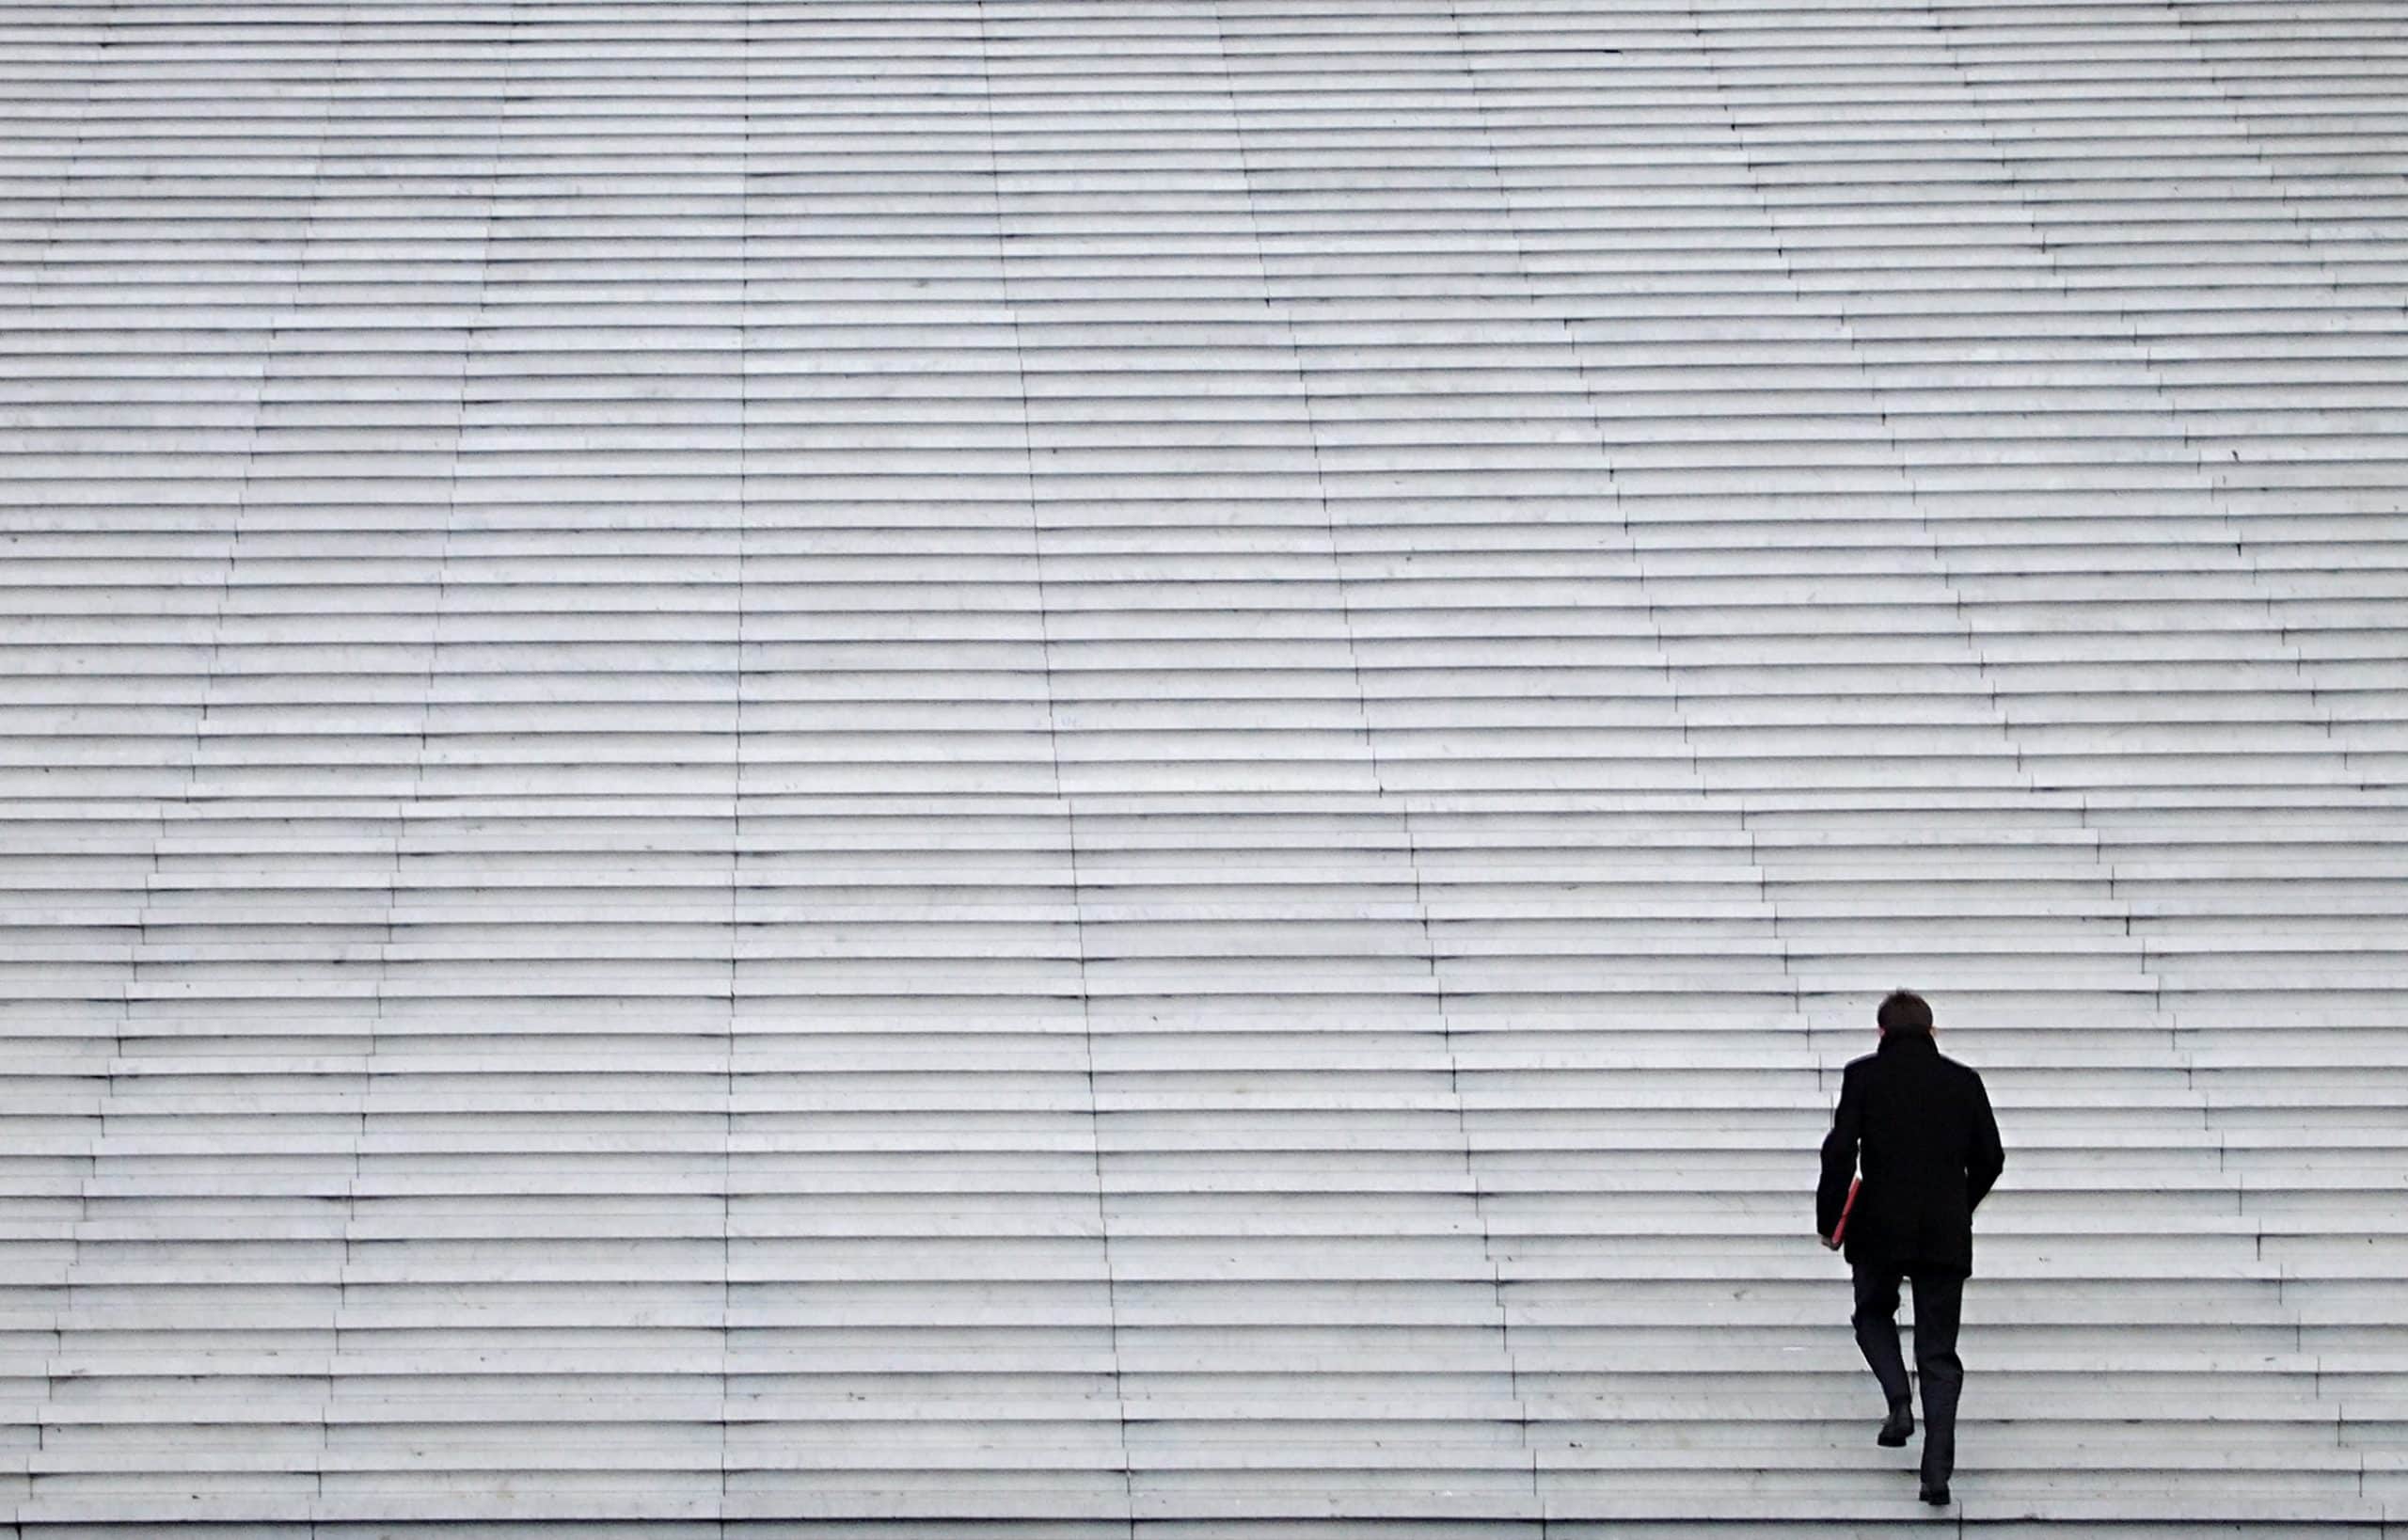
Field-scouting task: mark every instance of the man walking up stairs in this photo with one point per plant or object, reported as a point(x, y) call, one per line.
point(1920, 1125)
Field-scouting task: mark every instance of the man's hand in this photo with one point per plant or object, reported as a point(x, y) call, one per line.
point(1829, 1245)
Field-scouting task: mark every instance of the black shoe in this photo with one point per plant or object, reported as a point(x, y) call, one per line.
point(1901, 1426)
point(1935, 1496)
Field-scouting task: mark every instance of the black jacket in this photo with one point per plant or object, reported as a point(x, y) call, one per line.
point(1921, 1125)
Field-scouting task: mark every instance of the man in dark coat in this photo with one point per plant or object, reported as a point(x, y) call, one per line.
point(1921, 1127)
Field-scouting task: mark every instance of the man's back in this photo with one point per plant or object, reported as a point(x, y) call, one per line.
point(1921, 1126)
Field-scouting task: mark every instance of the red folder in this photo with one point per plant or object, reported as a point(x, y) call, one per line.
point(1839, 1231)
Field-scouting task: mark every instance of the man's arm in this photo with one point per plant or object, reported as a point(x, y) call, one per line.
point(1987, 1158)
point(1839, 1155)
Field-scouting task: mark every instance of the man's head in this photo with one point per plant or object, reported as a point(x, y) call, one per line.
point(1904, 1014)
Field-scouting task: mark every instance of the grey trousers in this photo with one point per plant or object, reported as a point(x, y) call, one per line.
point(1940, 1298)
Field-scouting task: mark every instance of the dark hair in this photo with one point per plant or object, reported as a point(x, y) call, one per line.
point(1904, 1015)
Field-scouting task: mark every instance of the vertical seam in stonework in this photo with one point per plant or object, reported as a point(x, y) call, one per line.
point(1960, 79)
point(1064, 800)
point(1445, 1017)
point(89, 1168)
point(392, 890)
point(2277, 627)
point(2218, 495)
point(736, 778)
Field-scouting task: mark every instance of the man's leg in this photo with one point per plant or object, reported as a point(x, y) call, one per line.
point(1940, 1298)
point(1876, 1329)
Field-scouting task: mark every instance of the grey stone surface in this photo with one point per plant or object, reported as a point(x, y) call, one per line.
point(1060, 768)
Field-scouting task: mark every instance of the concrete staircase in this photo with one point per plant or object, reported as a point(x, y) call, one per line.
point(1130, 768)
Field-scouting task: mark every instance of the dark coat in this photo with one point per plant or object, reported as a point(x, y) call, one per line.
point(1921, 1125)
